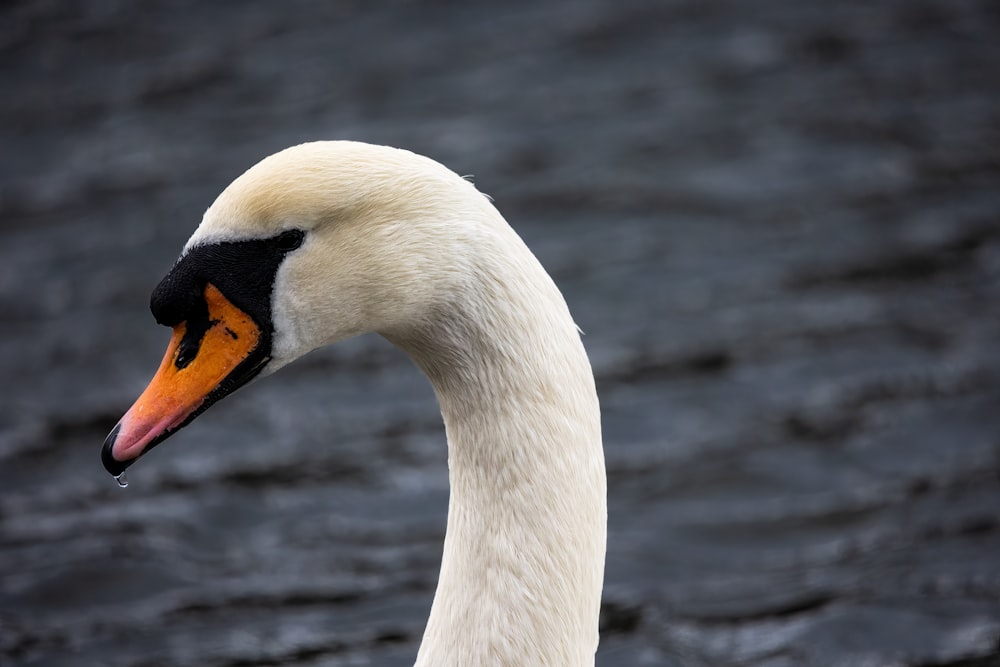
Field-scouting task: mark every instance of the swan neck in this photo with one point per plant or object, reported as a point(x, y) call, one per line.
point(522, 567)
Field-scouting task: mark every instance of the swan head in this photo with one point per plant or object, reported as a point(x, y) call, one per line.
point(315, 244)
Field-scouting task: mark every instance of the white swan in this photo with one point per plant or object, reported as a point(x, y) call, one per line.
point(327, 240)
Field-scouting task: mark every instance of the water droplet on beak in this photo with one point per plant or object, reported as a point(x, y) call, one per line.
point(121, 479)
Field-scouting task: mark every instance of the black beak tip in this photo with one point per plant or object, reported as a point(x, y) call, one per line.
point(111, 464)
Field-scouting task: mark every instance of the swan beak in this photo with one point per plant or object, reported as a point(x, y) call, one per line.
point(185, 385)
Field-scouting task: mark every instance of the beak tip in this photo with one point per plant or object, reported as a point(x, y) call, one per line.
point(111, 464)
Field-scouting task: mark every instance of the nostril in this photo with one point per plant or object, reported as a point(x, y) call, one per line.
point(185, 353)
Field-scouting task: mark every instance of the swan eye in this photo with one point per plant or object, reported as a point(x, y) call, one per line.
point(291, 239)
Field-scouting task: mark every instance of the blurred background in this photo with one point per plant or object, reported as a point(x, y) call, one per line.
point(778, 223)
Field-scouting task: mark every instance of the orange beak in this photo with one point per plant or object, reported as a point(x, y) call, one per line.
point(183, 387)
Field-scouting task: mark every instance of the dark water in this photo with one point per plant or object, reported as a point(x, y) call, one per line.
point(778, 223)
